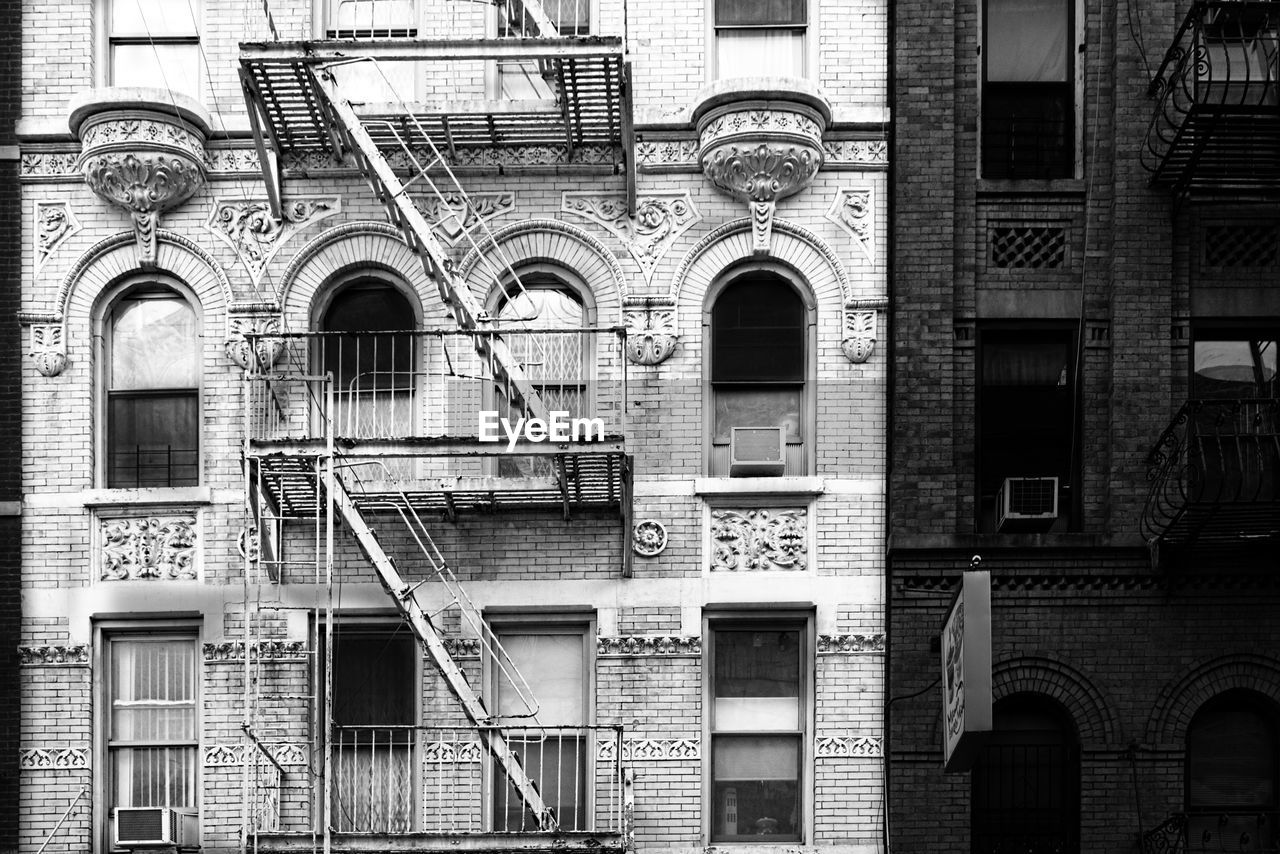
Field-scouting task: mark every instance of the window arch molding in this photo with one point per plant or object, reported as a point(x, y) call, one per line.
point(136, 409)
point(767, 273)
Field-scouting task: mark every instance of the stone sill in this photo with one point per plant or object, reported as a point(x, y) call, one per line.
point(186, 496)
point(713, 487)
point(1070, 187)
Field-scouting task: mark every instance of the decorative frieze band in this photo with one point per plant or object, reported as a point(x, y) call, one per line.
point(852, 746)
point(682, 154)
point(462, 647)
point(850, 644)
point(756, 539)
point(288, 754)
point(53, 656)
point(628, 646)
point(649, 749)
point(148, 547)
point(452, 752)
point(226, 651)
point(53, 758)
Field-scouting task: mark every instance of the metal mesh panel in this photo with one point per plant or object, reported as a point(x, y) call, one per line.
point(1028, 246)
point(1240, 245)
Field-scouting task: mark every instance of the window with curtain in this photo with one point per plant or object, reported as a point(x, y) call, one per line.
point(1025, 785)
point(1233, 773)
point(525, 79)
point(758, 355)
point(153, 410)
point(154, 43)
point(372, 360)
point(374, 712)
point(367, 82)
point(757, 38)
point(546, 721)
point(1027, 414)
point(151, 731)
point(758, 723)
point(1028, 93)
point(1234, 363)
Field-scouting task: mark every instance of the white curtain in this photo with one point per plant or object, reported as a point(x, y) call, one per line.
point(1026, 41)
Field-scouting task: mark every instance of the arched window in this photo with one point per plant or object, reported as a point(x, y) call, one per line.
point(758, 369)
point(1233, 755)
point(153, 397)
point(1026, 783)
point(371, 359)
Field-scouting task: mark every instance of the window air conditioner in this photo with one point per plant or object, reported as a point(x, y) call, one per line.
point(1027, 503)
point(143, 826)
point(757, 451)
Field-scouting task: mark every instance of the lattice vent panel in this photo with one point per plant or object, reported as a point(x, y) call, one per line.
point(1037, 247)
point(1241, 245)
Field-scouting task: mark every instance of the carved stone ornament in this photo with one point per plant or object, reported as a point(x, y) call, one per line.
point(262, 651)
point(651, 333)
point(761, 141)
point(53, 656)
point(48, 348)
point(232, 755)
point(854, 746)
point(451, 216)
point(630, 646)
point(141, 150)
point(463, 647)
point(850, 644)
point(255, 235)
point(859, 334)
point(756, 540)
point(452, 752)
point(649, 749)
point(53, 223)
point(150, 547)
point(649, 538)
point(660, 219)
point(265, 351)
point(851, 210)
point(53, 759)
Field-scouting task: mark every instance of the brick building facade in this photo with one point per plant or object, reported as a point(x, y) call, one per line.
point(243, 391)
point(1084, 396)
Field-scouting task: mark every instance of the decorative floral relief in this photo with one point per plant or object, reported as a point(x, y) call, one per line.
point(145, 185)
point(263, 651)
point(451, 216)
point(53, 656)
point(143, 132)
point(54, 223)
point(53, 758)
point(651, 334)
point(232, 755)
point(644, 645)
point(452, 752)
point(659, 221)
point(649, 538)
point(857, 746)
point(160, 547)
point(255, 235)
point(48, 348)
point(675, 152)
point(838, 644)
point(233, 160)
point(462, 647)
point(759, 121)
point(59, 164)
point(754, 540)
point(267, 350)
point(868, 152)
point(649, 749)
point(851, 210)
point(859, 334)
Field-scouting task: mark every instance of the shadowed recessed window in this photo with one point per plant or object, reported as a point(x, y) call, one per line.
point(1233, 756)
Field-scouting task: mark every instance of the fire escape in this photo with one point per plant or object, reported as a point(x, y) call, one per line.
point(371, 438)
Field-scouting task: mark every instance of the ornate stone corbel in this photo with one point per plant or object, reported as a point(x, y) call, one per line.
point(760, 140)
point(860, 332)
point(264, 325)
point(48, 348)
point(651, 333)
point(141, 150)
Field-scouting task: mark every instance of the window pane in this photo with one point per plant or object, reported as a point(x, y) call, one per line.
point(153, 440)
point(1231, 760)
point(154, 777)
point(556, 764)
point(1027, 40)
point(772, 407)
point(168, 66)
point(153, 17)
point(759, 52)
point(552, 665)
point(759, 12)
point(757, 680)
point(374, 679)
point(371, 14)
point(1232, 369)
point(153, 344)
point(755, 788)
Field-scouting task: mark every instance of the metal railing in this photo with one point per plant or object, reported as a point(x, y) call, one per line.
point(418, 779)
point(139, 466)
point(1203, 832)
point(434, 383)
point(1223, 61)
point(1215, 472)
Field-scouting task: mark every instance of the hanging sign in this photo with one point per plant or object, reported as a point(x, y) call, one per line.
point(966, 672)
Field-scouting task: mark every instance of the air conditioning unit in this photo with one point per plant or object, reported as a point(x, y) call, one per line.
point(757, 451)
point(1027, 503)
point(138, 827)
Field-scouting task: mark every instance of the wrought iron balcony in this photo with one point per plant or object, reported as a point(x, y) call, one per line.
point(428, 787)
point(1215, 477)
point(1213, 832)
point(1217, 119)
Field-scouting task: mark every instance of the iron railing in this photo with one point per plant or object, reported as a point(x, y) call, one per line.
point(397, 385)
point(1217, 117)
point(139, 467)
point(1215, 474)
point(1214, 832)
point(398, 780)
